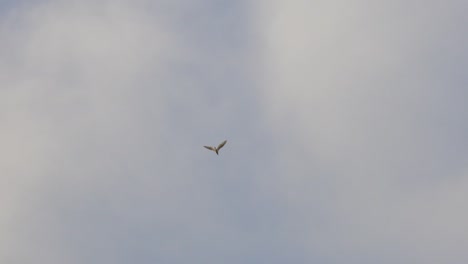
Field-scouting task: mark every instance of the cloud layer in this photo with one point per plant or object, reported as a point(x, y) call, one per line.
point(344, 120)
point(374, 150)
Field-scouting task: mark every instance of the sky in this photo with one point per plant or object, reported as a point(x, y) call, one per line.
point(346, 123)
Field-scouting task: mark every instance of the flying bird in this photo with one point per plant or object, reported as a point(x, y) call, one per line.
point(216, 149)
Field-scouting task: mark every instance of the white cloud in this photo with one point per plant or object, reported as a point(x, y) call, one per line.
point(81, 108)
point(105, 108)
point(371, 151)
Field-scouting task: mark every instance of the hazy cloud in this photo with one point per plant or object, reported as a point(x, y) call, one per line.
point(344, 120)
point(373, 153)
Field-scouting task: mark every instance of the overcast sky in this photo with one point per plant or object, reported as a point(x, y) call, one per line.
point(346, 121)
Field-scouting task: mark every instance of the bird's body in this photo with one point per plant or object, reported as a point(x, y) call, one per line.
point(216, 149)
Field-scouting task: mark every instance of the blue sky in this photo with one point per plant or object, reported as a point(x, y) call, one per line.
point(345, 120)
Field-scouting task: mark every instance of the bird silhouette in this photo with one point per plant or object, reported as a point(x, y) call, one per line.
point(216, 149)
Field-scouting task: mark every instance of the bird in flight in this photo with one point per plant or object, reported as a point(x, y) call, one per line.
point(216, 149)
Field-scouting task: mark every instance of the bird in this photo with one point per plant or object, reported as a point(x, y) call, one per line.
point(216, 149)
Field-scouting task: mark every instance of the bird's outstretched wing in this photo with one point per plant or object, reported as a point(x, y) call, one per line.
point(222, 144)
point(210, 148)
